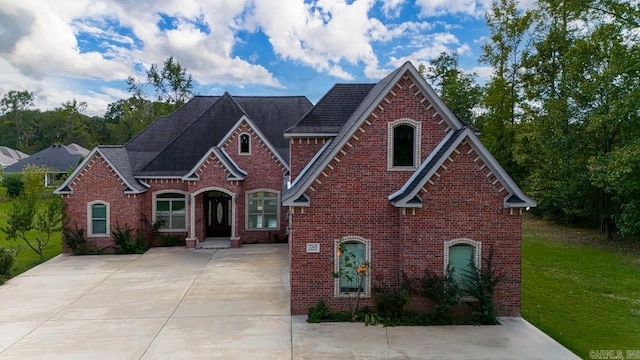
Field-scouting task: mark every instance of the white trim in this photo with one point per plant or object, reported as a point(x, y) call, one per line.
point(336, 265)
point(417, 143)
point(240, 152)
point(234, 200)
point(246, 209)
point(186, 213)
point(233, 175)
point(309, 164)
point(90, 218)
point(477, 251)
point(309, 135)
point(262, 137)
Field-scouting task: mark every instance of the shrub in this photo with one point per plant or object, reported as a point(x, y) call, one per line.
point(390, 303)
point(480, 284)
point(320, 313)
point(125, 245)
point(442, 293)
point(170, 240)
point(13, 183)
point(75, 240)
point(7, 259)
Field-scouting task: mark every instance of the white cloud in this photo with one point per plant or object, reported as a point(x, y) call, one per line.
point(392, 8)
point(441, 7)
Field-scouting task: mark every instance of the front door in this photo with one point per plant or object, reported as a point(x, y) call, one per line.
point(218, 210)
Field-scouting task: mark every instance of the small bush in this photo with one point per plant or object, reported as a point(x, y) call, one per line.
point(320, 313)
point(170, 240)
point(7, 259)
point(75, 240)
point(125, 245)
point(391, 303)
point(442, 293)
point(14, 185)
point(481, 284)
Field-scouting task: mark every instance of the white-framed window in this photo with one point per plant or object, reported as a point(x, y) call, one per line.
point(244, 144)
point(351, 252)
point(263, 210)
point(170, 211)
point(458, 254)
point(404, 137)
point(98, 224)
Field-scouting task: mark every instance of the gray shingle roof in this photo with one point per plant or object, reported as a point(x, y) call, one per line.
point(333, 110)
point(57, 158)
point(119, 159)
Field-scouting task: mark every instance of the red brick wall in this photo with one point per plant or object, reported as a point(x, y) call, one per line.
point(98, 182)
point(353, 200)
point(305, 149)
point(264, 171)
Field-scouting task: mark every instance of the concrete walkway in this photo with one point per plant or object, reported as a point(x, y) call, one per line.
point(173, 303)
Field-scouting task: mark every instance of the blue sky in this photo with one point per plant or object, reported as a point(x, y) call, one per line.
point(86, 49)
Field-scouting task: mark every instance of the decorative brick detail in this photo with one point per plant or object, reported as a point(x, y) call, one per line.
point(350, 198)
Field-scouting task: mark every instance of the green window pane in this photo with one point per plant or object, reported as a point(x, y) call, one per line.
point(163, 205)
point(178, 205)
point(99, 211)
point(352, 257)
point(99, 226)
point(271, 221)
point(460, 257)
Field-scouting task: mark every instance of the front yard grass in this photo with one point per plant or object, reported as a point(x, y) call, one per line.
point(27, 258)
point(580, 289)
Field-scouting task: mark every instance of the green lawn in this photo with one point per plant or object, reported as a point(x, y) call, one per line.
point(27, 258)
point(582, 291)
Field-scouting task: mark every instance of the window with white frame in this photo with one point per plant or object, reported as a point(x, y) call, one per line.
point(263, 208)
point(245, 144)
point(403, 144)
point(170, 211)
point(352, 266)
point(98, 218)
point(458, 257)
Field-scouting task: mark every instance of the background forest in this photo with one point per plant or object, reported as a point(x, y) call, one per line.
point(561, 111)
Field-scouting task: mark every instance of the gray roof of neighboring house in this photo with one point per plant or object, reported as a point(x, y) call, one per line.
point(9, 156)
point(57, 158)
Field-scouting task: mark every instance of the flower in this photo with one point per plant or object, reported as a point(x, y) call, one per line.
point(339, 252)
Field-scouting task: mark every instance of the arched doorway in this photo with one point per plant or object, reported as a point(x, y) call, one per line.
point(218, 210)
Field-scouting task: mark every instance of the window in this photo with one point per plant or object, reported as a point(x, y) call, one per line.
point(171, 211)
point(352, 252)
point(245, 144)
point(458, 256)
point(403, 144)
point(262, 210)
point(98, 218)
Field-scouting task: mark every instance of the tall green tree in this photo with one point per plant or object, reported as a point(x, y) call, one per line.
point(13, 105)
point(502, 99)
point(457, 89)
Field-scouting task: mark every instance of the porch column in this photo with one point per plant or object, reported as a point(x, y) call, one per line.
point(191, 239)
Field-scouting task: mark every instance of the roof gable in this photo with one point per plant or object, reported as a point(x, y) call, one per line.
point(117, 159)
point(407, 196)
point(374, 98)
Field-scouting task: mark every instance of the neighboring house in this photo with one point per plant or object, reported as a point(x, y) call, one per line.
point(387, 170)
point(9, 156)
point(384, 169)
point(57, 159)
point(214, 169)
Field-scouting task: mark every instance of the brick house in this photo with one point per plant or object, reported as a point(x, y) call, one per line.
point(389, 171)
point(384, 170)
point(214, 169)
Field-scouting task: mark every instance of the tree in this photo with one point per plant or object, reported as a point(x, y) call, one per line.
point(32, 211)
point(172, 84)
point(457, 89)
point(12, 106)
point(502, 99)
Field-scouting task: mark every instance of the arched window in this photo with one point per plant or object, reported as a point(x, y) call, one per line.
point(245, 144)
point(351, 253)
point(403, 148)
point(170, 211)
point(403, 145)
point(98, 218)
point(459, 255)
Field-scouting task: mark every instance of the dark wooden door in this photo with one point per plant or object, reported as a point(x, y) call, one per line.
point(218, 218)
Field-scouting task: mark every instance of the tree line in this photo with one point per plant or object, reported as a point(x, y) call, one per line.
point(561, 111)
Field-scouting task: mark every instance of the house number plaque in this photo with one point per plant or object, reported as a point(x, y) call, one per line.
point(313, 247)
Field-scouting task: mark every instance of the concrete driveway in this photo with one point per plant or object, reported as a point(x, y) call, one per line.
point(173, 303)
